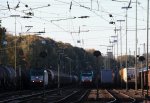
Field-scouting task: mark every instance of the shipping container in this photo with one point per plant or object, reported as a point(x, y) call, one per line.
point(106, 76)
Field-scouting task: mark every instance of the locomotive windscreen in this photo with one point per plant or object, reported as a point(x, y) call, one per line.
point(37, 72)
point(86, 74)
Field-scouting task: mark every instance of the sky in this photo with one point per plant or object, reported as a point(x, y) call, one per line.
point(61, 20)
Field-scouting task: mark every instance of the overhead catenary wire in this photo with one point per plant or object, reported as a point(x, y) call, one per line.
point(65, 30)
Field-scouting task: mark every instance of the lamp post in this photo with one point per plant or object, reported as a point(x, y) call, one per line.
point(15, 40)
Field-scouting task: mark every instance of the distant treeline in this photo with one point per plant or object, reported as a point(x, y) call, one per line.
point(33, 51)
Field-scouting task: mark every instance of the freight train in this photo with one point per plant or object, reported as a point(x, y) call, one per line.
point(128, 76)
point(26, 79)
point(11, 79)
point(50, 78)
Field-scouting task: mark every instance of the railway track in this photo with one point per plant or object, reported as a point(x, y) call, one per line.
point(12, 93)
point(121, 97)
point(21, 96)
point(103, 96)
point(75, 97)
point(69, 95)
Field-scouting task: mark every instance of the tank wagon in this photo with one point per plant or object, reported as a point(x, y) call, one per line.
point(29, 78)
point(7, 77)
point(127, 75)
point(50, 78)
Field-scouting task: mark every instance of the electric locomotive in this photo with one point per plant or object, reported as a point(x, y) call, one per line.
point(86, 78)
point(37, 77)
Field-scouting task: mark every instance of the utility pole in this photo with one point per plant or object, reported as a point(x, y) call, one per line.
point(29, 27)
point(114, 41)
point(116, 30)
point(120, 41)
point(15, 42)
point(144, 50)
point(126, 42)
point(69, 66)
point(60, 53)
point(147, 44)
point(136, 48)
point(139, 51)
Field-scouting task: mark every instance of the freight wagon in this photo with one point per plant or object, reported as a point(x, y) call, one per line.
point(49, 78)
point(143, 76)
point(106, 78)
point(127, 75)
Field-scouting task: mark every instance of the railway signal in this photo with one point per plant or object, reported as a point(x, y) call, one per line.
point(141, 59)
point(97, 54)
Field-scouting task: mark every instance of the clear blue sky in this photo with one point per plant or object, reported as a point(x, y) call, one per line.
point(61, 21)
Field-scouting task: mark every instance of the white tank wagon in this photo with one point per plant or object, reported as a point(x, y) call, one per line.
point(127, 75)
